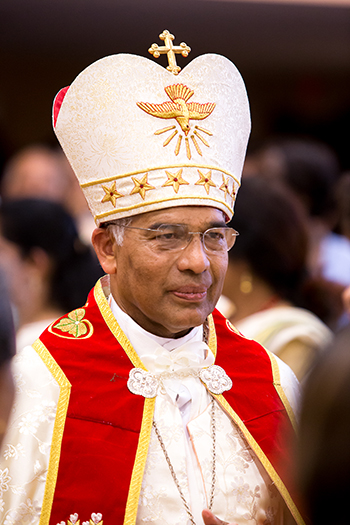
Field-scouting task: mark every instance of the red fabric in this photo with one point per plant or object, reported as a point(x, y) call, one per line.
point(58, 103)
point(104, 417)
point(253, 396)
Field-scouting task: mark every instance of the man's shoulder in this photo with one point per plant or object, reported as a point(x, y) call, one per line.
point(229, 337)
point(234, 350)
point(35, 381)
point(78, 325)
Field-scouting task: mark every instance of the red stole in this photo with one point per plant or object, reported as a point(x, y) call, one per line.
point(104, 418)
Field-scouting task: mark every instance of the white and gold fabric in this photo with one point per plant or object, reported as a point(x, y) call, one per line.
point(141, 139)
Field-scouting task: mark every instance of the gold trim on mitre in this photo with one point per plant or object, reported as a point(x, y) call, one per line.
point(161, 187)
point(154, 168)
point(194, 201)
point(124, 124)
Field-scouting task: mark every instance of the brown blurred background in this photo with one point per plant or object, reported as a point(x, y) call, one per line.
point(294, 57)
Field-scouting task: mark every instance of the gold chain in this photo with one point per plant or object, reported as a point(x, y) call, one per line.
point(213, 433)
point(172, 471)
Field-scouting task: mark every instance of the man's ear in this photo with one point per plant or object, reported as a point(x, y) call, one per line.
point(103, 243)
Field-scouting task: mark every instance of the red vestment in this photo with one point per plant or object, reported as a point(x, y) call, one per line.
point(104, 426)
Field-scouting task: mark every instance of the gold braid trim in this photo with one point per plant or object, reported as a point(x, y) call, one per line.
point(114, 327)
point(279, 389)
point(212, 335)
point(140, 462)
point(150, 203)
point(263, 459)
point(60, 419)
point(148, 410)
point(160, 168)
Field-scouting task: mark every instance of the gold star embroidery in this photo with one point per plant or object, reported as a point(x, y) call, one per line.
point(141, 186)
point(205, 180)
point(224, 186)
point(175, 180)
point(111, 194)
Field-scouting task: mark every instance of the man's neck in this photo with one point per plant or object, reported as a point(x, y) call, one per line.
point(129, 326)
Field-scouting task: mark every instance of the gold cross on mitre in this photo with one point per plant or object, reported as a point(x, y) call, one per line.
point(170, 50)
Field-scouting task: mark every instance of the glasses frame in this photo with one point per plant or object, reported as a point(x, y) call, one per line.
point(190, 236)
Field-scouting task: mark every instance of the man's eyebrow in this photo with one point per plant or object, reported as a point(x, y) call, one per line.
point(156, 225)
point(214, 224)
point(217, 224)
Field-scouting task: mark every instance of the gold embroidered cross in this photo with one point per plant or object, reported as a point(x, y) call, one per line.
point(170, 50)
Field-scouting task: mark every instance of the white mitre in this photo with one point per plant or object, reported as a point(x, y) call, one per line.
point(140, 139)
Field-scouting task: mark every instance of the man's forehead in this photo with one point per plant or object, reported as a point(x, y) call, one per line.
point(181, 215)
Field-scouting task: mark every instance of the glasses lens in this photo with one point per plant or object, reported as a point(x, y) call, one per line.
point(170, 236)
point(219, 239)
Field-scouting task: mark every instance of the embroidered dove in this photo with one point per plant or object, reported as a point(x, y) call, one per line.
point(179, 108)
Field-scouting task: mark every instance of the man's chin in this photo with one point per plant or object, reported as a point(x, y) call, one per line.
point(190, 321)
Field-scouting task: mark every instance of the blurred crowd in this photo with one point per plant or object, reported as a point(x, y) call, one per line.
point(287, 285)
point(45, 248)
point(288, 279)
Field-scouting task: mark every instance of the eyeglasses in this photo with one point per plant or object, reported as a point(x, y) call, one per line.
point(173, 237)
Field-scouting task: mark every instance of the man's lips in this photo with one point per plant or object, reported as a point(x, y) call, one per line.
point(191, 293)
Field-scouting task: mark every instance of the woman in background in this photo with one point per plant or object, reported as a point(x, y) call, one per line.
point(266, 277)
point(50, 271)
point(324, 436)
point(7, 350)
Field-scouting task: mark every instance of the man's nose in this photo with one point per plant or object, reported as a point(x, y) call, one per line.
point(194, 256)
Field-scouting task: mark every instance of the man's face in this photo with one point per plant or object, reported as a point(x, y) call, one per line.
point(168, 292)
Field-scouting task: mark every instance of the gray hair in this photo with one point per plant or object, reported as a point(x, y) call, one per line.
point(117, 229)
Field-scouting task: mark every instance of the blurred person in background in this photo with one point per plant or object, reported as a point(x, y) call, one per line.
point(267, 274)
point(50, 271)
point(324, 436)
point(40, 172)
point(311, 170)
point(36, 171)
point(7, 350)
point(342, 194)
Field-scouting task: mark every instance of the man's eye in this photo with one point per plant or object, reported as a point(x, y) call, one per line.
point(167, 235)
point(215, 235)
